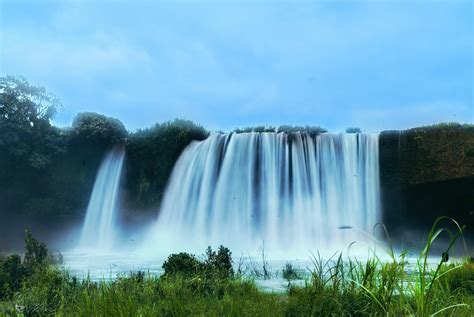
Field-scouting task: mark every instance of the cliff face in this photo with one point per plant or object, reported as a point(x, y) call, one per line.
point(425, 173)
point(428, 154)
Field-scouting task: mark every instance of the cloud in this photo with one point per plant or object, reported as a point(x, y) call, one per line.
point(237, 64)
point(75, 60)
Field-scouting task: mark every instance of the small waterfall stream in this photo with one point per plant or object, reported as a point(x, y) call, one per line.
point(284, 190)
point(98, 228)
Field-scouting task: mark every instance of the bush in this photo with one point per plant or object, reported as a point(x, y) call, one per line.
point(289, 272)
point(183, 264)
point(216, 265)
point(97, 128)
point(14, 271)
point(353, 130)
point(36, 252)
point(311, 130)
point(41, 292)
point(258, 129)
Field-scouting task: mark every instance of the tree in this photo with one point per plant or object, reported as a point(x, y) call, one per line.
point(26, 132)
point(25, 104)
point(36, 252)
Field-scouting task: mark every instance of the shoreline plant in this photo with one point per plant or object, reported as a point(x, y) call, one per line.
point(208, 285)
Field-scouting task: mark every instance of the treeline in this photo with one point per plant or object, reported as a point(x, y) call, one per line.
point(47, 173)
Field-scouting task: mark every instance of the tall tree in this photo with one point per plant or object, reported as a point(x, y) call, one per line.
point(26, 132)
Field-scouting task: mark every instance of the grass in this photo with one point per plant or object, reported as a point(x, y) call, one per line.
point(52, 292)
point(209, 287)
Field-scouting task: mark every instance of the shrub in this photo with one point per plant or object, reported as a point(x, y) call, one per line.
point(41, 292)
point(14, 271)
point(219, 263)
point(311, 130)
point(36, 252)
point(94, 127)
point(215, 265)
point(289, 272)
point(353, 130)
point(183, 264)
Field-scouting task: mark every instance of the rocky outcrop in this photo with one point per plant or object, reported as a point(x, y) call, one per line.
point(425, 173)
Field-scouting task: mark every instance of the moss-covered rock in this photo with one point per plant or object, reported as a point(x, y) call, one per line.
point(425, 173)
point(427, 154)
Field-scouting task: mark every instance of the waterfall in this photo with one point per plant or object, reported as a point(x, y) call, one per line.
point(284, 190)
point(98, 228)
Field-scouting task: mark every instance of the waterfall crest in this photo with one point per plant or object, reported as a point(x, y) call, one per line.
point(285, 190)
point(99, 225)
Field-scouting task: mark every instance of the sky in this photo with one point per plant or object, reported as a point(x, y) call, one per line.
point(377, 65)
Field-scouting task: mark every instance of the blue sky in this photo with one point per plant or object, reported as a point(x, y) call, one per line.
point(373, 64)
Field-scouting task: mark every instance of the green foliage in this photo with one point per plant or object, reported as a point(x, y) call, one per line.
point(36, 252)
point(183, 264)
point(311, 130)
point(458, 279)
point(244, 130)
point(26, 135)
point(173, 297)
point(215, 265)
point(23, 104)
point(14, 271)
point(219, 263)
point(190, 286)
point(258, 129)
point(427, 154)
point(47, 173)
point(97, 128)
point(425, 173)
point(151, 155)
point(289, 272)
point(29, 145)
point(353, 130)
point(41, 291)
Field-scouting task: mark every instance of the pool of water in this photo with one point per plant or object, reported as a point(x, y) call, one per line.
point(98, 266)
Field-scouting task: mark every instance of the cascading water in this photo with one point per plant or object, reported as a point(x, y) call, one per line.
point(98, 228)
point(287, 191)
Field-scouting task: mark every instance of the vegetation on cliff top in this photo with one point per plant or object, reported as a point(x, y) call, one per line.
point(427, 154)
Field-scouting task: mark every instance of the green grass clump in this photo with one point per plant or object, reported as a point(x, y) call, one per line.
point(209, 287)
